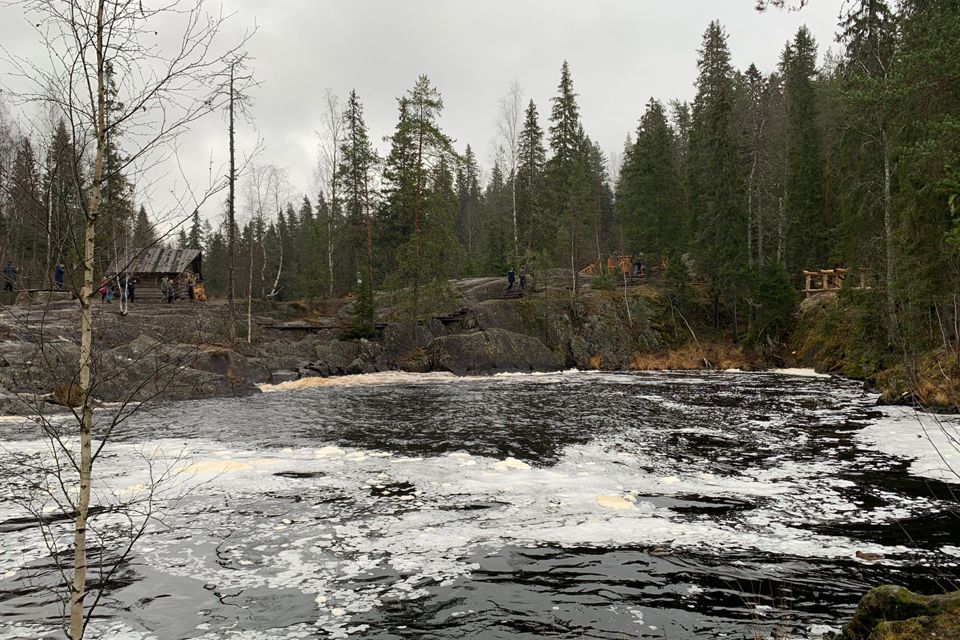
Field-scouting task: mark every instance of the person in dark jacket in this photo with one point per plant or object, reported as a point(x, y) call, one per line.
point(511, 278)
point(58, 273)
point(9, 276)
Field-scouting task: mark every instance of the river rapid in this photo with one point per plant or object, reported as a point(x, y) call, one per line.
point(566, 505)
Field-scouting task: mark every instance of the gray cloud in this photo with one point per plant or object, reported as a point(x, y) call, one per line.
point(621, 53)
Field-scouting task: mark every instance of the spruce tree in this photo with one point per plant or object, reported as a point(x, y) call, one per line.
point(496, 232)
point(716, 175)
point(26, 213)
point(358, 162)
point(650, 199)
point(567, 177)
point(530, 187)
point(144, 236)
point(195, 237)
point(469, 221)
point(803, 188)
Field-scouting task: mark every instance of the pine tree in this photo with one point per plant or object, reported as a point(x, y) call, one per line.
point(420, 148)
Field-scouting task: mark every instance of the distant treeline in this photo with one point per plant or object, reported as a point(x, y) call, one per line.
point(852, 162)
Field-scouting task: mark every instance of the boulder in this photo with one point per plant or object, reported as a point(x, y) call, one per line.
point(490, 351)
point(481, 289)
point(23, 404)
point(605, 338)
point(499, 314)
point(891, 612)
point(229, 363)
point(284, 375)
point(335, 358)
point(403, 346)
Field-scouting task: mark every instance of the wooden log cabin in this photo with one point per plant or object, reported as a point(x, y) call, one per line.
point(149, 266)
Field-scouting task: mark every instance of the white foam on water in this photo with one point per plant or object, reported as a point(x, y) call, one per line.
point(798, 371)
point(326, 529)
point(359, 380)
point(930, 441)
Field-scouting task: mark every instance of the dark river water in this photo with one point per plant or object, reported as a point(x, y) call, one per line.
point(574, 505)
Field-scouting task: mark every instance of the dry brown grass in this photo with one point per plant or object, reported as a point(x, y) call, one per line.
point(690, 357)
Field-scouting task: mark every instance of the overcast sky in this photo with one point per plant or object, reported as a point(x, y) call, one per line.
point(621, 53)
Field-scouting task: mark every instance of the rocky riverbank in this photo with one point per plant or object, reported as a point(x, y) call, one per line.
point(179, 351)
point(843, 337)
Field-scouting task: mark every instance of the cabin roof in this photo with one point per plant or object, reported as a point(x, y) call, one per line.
point(154, 260)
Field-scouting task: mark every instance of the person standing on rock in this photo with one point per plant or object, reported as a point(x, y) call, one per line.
point(523, 277)
point(511, 278)
point(9, 276)
point(58, 272)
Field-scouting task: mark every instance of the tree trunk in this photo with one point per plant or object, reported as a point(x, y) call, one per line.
point(780, 224)
point(736, 321)
point(888, 232)
point(760, 235)
point(48, 267)
point(330, 219)
point(416, 215)
point(513, 198)
point(368, 223)
point(231, 230)
point(274, 290)
point(573, 256)
point(79, 587)
point(250, 294)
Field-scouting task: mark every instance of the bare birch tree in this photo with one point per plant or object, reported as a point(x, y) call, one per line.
point(95, 47)
point(330, 139)
point(509, 121)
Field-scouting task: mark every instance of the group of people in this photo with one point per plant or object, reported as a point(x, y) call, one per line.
point(11, 276)
point(125, 286)
point(512, 278)
point(171, 288)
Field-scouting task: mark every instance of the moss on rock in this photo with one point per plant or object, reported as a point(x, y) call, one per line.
point(895, 613)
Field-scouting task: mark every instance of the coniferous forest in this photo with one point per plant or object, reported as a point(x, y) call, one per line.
point(849, 159)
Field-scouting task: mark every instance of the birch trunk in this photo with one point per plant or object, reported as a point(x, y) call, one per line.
point(78, 589)
point(231, 231)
